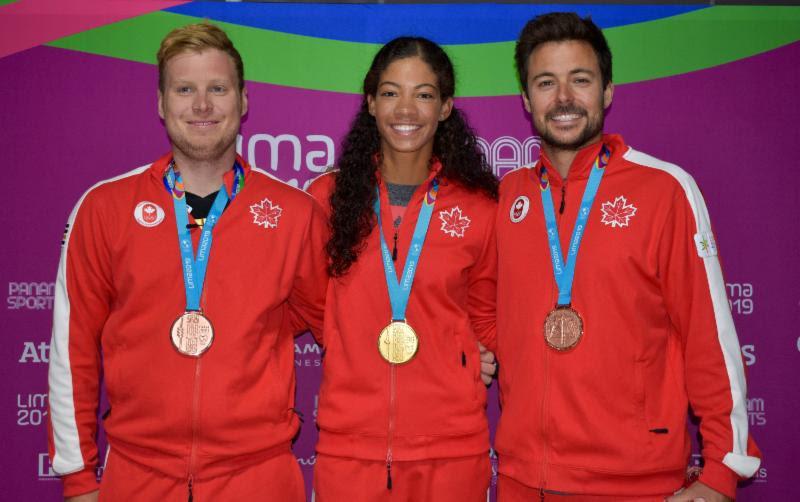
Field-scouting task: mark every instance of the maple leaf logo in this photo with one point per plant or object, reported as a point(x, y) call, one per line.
point(617, 213)
point(265, 213)
point(453, 222)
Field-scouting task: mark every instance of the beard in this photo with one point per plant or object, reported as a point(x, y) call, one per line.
point(202, 152)
point(593, 127)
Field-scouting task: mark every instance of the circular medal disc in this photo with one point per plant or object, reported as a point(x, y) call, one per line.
point(398, 343)
point(563, 328)
point(192, 333)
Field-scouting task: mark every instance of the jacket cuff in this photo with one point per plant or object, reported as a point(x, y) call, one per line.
point(80, 482)
point(719, 477)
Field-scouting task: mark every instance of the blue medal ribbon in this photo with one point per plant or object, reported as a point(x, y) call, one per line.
point(399, 292)
point(565, 273)
point(194, 268)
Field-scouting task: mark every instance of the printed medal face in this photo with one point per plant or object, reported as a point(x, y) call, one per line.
point(563, 329)
point(398, 343)
point(192, 334)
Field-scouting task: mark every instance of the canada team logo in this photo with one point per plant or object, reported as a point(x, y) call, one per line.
point(617, 213)
point(519, 209)
point(454, 223)
point(148, 214)
point(266, 214)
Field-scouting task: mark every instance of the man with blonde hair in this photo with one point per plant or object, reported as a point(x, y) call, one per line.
point(157, 286)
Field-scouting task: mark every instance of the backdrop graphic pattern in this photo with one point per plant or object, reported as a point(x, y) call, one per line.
point(712, 89)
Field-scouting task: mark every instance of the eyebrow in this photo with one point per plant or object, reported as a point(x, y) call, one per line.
point(389, 82)
point(572, 72)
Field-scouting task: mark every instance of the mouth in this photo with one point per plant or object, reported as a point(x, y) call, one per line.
point(405, 129)
point(565, 117)
point(203, 123)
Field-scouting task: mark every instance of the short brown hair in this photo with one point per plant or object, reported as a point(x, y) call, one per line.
point(560, 27)
point(197, 38)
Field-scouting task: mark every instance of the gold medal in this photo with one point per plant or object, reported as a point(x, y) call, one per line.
point(398, 343)
point(563, 328)
point(192, 333)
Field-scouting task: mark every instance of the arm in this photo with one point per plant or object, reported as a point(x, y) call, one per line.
point(482, 294)
point(695, 295)
point(82, 303)
point(307, 299)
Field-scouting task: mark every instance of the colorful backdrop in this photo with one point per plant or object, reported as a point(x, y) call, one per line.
point(713, 89)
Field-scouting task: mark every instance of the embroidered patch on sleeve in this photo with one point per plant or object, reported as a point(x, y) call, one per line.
point(706, 247)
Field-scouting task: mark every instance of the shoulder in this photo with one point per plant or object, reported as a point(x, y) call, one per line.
point(274, 187)
point(108, 190)
point(666, 172)
point(322, 186)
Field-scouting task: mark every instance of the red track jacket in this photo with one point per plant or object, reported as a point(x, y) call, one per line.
point(120, 287)
point(434, 405)
point(609, 416)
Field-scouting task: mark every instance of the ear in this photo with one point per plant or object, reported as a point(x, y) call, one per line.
point(608, 95)
point(527, 103)
point(243, 102)
point(447, 108)
point(371, 104)
point(160, 104)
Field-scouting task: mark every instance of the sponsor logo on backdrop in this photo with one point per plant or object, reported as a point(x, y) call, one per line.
point(35, 353)
point(30, 295)
point(740, 297)
point(312, 154)
point(316, 406)
point(307, 461)
point(307, 355)
point(749, 354)
point(760, 476)
point(45, 469)
point(756, 411)
point(31, 409)
point(508, 153)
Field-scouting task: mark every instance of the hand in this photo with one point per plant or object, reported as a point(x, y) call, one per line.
point(698, 492)
point(488, 364)
point(86, 497)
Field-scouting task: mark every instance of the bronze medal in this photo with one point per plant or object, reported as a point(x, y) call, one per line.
point(563, 328)
point(398, 343)
point(192, 333)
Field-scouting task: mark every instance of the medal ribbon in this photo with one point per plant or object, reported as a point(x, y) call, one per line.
point(194, 268)
point(399, 292)
point(565, 273)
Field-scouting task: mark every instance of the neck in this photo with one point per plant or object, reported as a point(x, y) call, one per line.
point(410, 168)
point(562, 158)
point(203, 177)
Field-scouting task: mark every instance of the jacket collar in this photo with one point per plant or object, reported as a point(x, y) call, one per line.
point(584, 160)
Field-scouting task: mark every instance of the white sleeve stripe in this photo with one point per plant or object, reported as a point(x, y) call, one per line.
point(68, 457)
point(726, 332)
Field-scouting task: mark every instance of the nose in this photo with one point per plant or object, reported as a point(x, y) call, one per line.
point(406, 106)
point(201, 103)
point(564, 93)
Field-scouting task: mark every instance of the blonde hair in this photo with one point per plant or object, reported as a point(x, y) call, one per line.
point(197, 38)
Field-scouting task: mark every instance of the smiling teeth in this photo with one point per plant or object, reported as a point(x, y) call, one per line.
point(565, 118)
point(405, 128)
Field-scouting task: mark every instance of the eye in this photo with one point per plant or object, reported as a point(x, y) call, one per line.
point(426, 95)
point(582, 80)
point(184, 89)
point(544, 84)
point(388, 94)
point(218, 89)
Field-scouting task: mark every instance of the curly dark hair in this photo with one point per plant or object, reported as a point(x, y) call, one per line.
point(454, 144)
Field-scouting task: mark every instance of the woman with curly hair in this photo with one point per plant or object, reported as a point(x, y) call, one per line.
point(412, 265)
